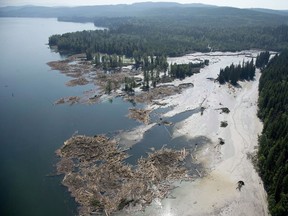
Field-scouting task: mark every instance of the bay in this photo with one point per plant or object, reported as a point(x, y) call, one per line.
point(31, 127)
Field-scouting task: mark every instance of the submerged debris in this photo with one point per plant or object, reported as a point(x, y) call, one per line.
point(74, 66)
point(69, 100)
point(78, 81)
point(100, 181)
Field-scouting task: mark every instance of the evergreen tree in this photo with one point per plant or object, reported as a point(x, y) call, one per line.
point(262, 59)
point(89, 56)
point(108, 87)
point(234, 73)
point(273, 143)
point(97, 60)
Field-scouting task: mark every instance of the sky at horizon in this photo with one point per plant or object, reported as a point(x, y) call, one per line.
point(275, 4)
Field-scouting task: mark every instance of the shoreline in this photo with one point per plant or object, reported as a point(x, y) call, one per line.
point(216, 193)
point(225, 164)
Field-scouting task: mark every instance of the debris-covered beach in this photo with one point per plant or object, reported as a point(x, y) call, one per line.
point(100, 179)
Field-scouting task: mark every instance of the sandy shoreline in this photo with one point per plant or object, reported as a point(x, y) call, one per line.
point(224, 164)
point(216, 193)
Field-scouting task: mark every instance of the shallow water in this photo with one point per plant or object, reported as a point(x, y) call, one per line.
point(161, 135)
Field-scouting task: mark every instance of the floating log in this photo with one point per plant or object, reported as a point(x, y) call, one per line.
point(99, 179)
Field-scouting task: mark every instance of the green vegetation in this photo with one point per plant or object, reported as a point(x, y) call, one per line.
point(177, 30)
point(149, 32)
point(262, 59)
point(180, 71)
point(157, 37)
point(130, 84)
point(233, 74)
point(88, 13)
point(152, 33)
point(108, 88)
point(151, 66)
point(273, 149)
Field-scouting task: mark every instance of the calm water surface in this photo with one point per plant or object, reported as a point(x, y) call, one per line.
point(31, 128)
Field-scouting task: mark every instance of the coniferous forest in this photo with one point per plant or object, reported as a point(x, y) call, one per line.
point(177, 31)
point(262, 59)
point(150, 36)
point(233, 74)
point(162, 38)
point(273, 149)
point(137, 37)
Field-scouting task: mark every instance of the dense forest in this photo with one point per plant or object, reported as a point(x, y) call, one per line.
point(175, 31)
point(162, 38)
point(233, 74)
point(273, 149)
point(181, 71)
point(88, 13)
point(262, 59)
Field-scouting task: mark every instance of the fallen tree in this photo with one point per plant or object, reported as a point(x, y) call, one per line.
point(99, 180)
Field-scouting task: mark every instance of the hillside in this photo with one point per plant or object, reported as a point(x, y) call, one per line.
point(141, 10)
point(137, 9)
point(273, 149)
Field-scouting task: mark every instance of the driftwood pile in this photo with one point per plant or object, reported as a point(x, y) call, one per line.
point(141, 115)
point(155, 93)
point(68, 100)
point(74, 66)
point(96, 175)
point(77, 81)
point(83, 72)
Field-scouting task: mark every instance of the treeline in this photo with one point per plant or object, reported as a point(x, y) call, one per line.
point(262, 59)
point(233, 74)
point(175, 35)
point(180, 71)
point(273, 143)
point(98, 41)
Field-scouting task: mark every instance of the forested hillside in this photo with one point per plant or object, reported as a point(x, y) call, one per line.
point(175, 35)
point(273, 149)
point(165, 28)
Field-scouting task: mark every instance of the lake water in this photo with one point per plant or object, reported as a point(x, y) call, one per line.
point(31, 128)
